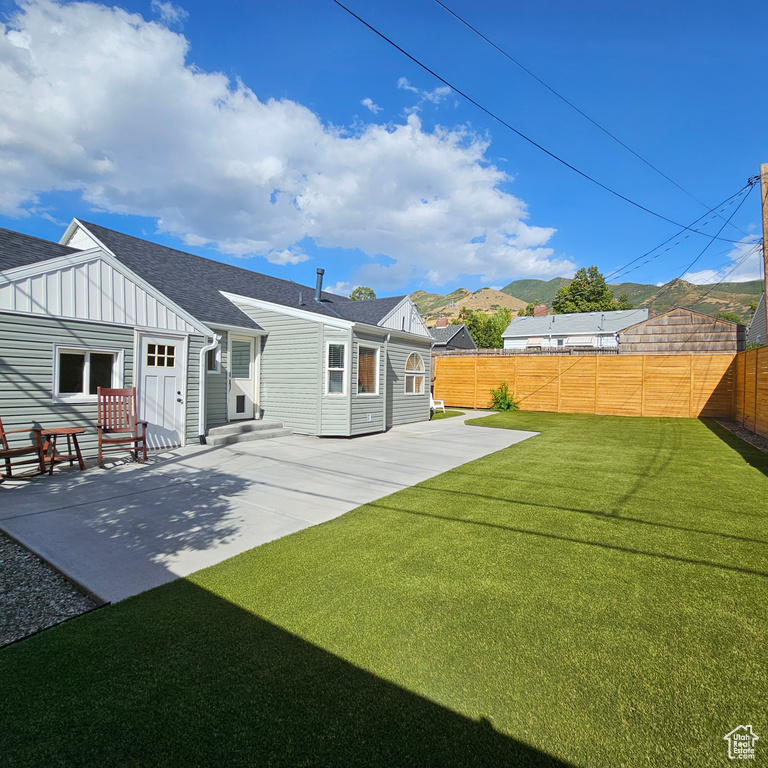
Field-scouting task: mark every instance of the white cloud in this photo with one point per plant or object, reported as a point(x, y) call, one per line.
point(99, 101)
point(375, 108)
point(171, 14)
point(745, 262)
point(341, 288)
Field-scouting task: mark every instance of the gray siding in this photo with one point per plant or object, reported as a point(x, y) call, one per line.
point(289, 379)
point(335, 409)
point(364, 406)
point(402, 408)
point(192, 399)
point(216, 388)
point(26, 371)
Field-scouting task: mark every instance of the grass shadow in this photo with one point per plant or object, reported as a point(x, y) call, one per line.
point(182, 677)
point(753, 456)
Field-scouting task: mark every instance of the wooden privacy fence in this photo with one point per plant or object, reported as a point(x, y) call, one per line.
point(634, 385)
point(750, 402)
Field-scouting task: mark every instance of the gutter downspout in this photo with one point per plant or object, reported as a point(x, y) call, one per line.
point(203, 380)
point(386, 367)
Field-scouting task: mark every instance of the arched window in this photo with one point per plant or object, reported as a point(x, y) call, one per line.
point(414, 375)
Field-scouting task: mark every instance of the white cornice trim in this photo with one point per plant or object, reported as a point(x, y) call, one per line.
point(238, 329)
point(301, 314)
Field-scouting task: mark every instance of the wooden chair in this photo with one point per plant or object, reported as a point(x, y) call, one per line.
point(11, 455)
point(117, 416)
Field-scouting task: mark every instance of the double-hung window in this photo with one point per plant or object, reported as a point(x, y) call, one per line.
point(414, 375)
point(335, 369)
point(78, 372)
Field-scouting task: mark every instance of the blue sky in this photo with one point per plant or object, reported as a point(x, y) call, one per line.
point(286, 136)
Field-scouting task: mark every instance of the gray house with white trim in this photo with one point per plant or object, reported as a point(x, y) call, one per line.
point(586, 330)
point(205, 343)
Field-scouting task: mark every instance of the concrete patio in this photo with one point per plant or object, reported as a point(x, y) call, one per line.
point(121, 531)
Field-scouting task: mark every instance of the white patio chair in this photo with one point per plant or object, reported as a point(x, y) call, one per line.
point(436, 405)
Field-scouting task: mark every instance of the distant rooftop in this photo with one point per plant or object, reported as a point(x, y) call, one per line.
point(574, 323)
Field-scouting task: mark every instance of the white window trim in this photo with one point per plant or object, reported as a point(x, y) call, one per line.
point(345, 377)
point(217, 354)
point(117, 371)
point(375, 393)
point(414, 375)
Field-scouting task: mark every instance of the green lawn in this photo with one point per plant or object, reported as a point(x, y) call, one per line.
point(594, 596)
point(447, 414)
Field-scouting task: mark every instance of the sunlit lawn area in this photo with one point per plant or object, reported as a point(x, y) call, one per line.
point(594, 596)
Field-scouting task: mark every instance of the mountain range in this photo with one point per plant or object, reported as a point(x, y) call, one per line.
point(709, 299)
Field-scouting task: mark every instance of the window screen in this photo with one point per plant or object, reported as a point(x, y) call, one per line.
point(366, 371)
point(414, 375)
point(101, 371)
point(71, 368)
point(336, 369)
point(240, 363)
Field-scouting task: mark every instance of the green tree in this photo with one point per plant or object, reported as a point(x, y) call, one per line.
point(485, 329)
point(361, 293)
point(752, 307)
point(588, 292)
point(732, 316)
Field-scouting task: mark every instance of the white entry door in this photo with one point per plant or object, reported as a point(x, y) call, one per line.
point(161, 390)
point(242, 378)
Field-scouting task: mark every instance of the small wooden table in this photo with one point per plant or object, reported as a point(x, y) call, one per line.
point(71, 434)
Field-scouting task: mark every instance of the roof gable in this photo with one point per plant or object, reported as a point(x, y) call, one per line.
point(199, 284)
point(93, 286)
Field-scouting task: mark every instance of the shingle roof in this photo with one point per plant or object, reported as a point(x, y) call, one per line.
point(446, 333)
point(756, 333)
point(18, 250)
point(575, 323)
point(194, 282)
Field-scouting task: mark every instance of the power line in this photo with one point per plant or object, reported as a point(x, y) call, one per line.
point(571, 104)
point(512, 128)
point(717, 211)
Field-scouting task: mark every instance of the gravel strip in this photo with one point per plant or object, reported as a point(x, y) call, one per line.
point(761, 443)
point(32, 595)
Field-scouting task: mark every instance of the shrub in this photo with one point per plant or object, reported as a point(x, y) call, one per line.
point(502, 399)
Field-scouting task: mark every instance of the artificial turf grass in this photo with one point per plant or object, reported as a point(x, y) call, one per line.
point(447, 414)
point(593, 593)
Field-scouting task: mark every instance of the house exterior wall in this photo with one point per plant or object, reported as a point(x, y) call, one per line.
point(335, 409)
point(86, 287)
point(367, 409)
point(561, 341)
point(402, 408)
point(681, 332)
point(192, 400)
point(26, 371)
point(290, 369)
point(462, 340)
point(216, 386)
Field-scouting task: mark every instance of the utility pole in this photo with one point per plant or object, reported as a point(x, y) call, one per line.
point(764, 200)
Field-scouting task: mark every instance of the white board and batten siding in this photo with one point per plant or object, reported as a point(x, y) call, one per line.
point(405, 317)
point(87, 288)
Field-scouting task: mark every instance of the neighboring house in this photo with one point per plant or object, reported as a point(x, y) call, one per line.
point(756, 332)
point(452, 337)
point(682, 331)
point(585, 330)
point(205, 343)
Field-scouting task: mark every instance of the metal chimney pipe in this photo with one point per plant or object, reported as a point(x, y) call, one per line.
point(319, 284)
